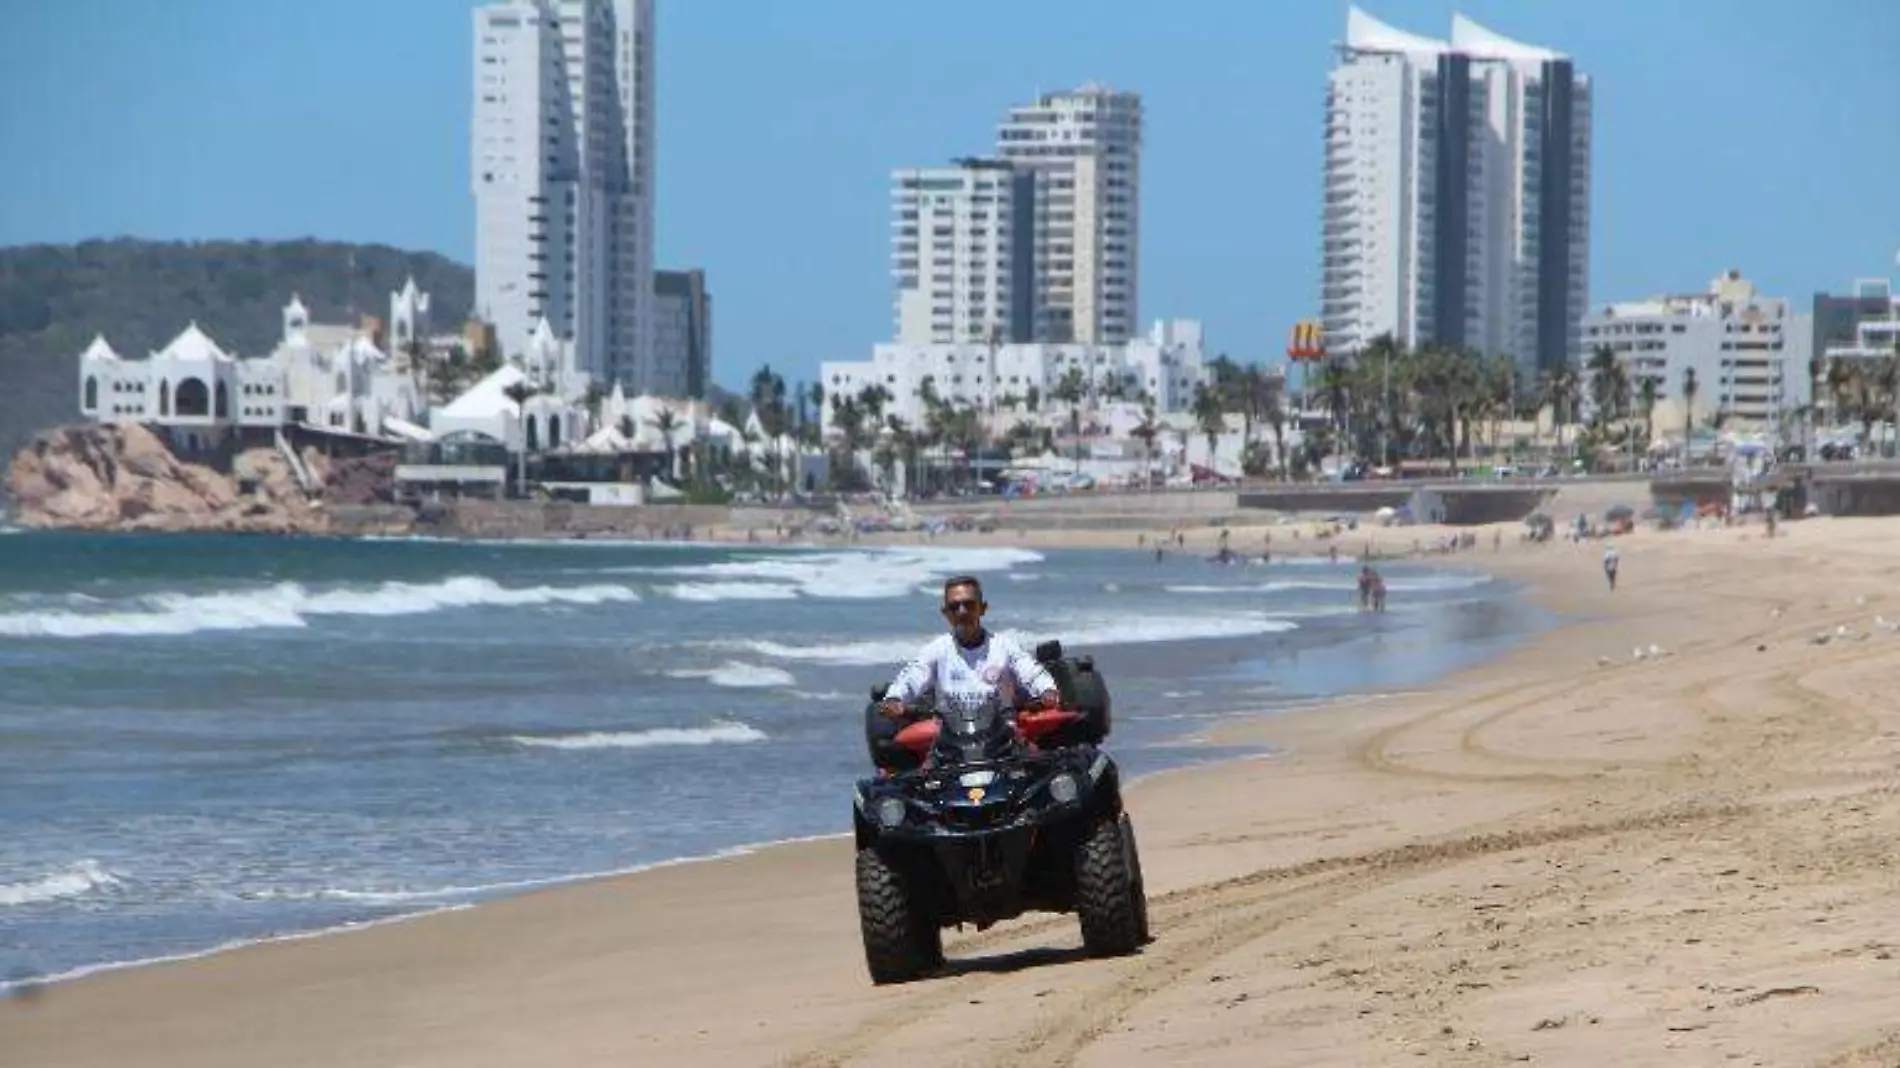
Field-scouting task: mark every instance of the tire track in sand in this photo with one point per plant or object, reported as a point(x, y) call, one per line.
point(1194, 927)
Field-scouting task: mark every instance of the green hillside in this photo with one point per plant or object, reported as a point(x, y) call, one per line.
point(139, 294)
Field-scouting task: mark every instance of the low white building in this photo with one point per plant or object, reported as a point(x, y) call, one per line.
point(320, 376)
point(1167, 365)
point(1749, 351)
point(552, 416)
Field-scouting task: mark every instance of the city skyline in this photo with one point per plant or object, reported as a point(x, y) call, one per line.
point(1733, 137)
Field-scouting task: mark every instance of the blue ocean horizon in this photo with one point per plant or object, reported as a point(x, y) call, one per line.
point(210, 740)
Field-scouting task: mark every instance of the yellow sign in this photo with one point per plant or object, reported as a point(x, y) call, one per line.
point(1307, 340)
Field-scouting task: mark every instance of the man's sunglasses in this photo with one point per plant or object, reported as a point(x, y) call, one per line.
point(951, 608)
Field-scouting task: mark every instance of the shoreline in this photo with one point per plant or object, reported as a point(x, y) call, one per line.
point(1567, 853)
point(1186, 736)
point(1086, 539)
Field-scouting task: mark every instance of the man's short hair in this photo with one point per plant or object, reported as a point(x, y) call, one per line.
point(963, 580)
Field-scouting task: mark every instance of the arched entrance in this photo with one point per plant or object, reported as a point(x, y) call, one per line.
point(92, 393)
point(193, 398)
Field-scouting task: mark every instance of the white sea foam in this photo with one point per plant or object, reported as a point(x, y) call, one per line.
point(1344, 584)
point(1084, 631)
point(82, 877)
point(867, 574)
point(290, 604)
point(706, 592)
point(738, 674)
point(723, 732)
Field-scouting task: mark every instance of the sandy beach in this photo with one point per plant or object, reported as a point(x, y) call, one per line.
point(1574, 855)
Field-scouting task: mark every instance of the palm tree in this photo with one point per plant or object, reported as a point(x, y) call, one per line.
point(768, 397)
point(1070, 389)
point(1275, 412)
point(666, 423)
point(1145, 432)
point(1209, 418)
point(520, 391)
point(1646, 396)
point(1689, 389)
point(1607, 383)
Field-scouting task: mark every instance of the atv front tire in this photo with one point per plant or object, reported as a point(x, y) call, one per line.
point(1109, 900)
point(1140, 889)
point(901, 939)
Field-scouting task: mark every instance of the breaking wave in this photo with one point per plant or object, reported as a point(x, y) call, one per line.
point(1084, 632)
point(732, 591)
point(81, 878)
point(737, 674)
point(866, 574)
point(1345, 584)
point(717, 733)
point(290, 604)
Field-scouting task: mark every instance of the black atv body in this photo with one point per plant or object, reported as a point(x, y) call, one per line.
point(990, 828)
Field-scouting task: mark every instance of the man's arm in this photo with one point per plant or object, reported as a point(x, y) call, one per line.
point(1031, 675)
point(914, 679)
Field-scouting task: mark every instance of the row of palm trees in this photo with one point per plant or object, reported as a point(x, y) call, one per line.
point(1386, 404)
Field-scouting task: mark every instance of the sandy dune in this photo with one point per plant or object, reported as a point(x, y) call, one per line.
point(1572, 856)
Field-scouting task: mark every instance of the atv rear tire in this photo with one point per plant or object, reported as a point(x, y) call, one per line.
point(901, 939)
point(1108, 897)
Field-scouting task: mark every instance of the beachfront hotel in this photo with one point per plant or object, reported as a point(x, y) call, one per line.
point(561, 153)
point(1084, 148)
point(963, 252)
point(1038, 243)
point(1457, 194)
point(1749, 351)
point(1166, 365)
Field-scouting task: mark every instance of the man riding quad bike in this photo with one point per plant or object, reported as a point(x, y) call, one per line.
point(982, 810)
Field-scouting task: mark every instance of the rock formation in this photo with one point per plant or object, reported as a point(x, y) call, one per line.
point(123, 477)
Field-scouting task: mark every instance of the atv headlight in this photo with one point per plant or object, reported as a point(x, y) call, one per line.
point(1063, 788)
point(890, 812)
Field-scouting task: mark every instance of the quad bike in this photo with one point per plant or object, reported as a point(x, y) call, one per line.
point(990, 815)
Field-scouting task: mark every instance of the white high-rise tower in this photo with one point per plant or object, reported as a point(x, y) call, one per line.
point(1085, 149)
point(1457, 194)
point(562, 150)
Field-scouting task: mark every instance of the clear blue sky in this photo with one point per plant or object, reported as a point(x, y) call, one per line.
point(1750, 133)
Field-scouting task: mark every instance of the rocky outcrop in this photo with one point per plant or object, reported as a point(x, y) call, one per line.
point(123, 477)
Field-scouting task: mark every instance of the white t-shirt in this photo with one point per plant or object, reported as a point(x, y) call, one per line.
point(964, 677)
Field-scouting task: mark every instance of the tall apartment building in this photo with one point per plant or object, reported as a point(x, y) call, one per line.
point(962, 252)
point(562, 150)
point(682, 334)
point(1457, 194)
point(1749, 351)
point(1084, 147)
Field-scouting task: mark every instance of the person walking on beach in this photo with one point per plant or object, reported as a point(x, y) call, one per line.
point(1610, 562)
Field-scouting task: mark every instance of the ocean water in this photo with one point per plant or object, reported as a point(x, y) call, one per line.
point(210, 740)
